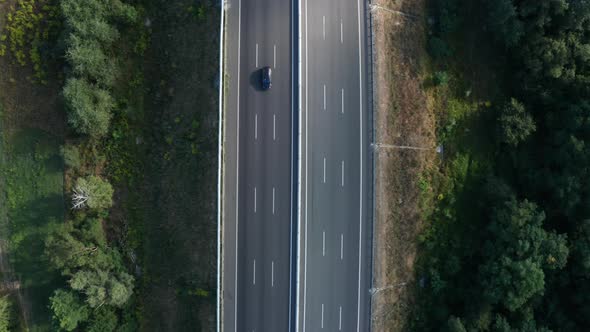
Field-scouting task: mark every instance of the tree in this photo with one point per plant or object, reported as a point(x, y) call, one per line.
point(516, 124)
point(512, 283)
point(69, 249)
point(91, 230)
point(92, 192)
point(88, 19)
point(103, 287)
point(89, 61)
point(504, 22)
point(517, 254)
point(89, 107)
point(67, 253)
point(455, 324)
point(7, 320)
point(581, 251)
point(93, 19)
point(68, 309)
point(104, 319)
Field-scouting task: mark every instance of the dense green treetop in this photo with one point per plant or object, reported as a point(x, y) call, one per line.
point(89, 107)
point(68, 309)
point(98, 191)
point(103, 287)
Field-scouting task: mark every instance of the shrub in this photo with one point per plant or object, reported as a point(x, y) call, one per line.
point(441, 78)
point(71, 155)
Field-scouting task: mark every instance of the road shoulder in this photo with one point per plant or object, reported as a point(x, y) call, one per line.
point(404, 116)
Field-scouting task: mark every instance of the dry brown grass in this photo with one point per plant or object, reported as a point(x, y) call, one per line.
point(404, 116)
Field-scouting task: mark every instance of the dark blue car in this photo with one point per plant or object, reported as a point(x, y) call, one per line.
point(266, 75)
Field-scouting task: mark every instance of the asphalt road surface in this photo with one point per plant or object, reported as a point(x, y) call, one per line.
point(335, 250)
point(258, 173)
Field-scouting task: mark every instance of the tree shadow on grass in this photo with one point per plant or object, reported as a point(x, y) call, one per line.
point(31, 224)
point(34, 192)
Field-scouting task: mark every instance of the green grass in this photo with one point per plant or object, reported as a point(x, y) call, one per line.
point(33, 176)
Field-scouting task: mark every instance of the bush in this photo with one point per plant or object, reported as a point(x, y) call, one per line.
point(441, 78)
point(71, 155)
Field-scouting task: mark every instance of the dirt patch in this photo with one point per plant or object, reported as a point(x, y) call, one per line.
point(404, 116)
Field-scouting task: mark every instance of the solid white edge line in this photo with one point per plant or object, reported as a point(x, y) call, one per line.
point(218, 314)
point(306, 170)
point(299, 136)
point(358, 320)
point(292, 169)
point(237, 166)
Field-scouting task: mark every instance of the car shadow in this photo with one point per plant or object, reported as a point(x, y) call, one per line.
point(255, 79)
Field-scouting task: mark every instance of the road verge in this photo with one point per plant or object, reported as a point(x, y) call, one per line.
point(403, 118)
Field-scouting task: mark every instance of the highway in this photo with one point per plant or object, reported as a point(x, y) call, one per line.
point(296, 234)
point(335, 247)
point(258, 168)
